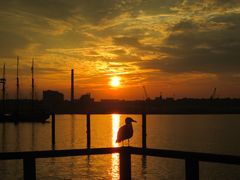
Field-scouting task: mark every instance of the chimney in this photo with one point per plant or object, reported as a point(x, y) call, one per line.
point(72, 85)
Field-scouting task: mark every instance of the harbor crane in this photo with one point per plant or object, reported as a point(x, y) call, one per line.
point(145, 93)
point(213, 95)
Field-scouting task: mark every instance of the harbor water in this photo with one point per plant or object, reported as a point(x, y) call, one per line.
point(217, 134)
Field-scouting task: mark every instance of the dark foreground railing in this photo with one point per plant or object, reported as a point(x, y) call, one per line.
point(192, 159)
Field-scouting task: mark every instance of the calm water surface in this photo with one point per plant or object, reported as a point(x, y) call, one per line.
point(201, 133)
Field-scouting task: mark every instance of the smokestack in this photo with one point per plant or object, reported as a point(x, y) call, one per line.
point(72, 85)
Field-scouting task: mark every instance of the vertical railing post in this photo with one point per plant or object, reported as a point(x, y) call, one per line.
point(88, 131)
point(125, 164)
point(191, 169)
point(144, 133)
point(29, 168)
point(53, 130)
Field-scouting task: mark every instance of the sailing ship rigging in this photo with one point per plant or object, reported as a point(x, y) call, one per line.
point(34, 114)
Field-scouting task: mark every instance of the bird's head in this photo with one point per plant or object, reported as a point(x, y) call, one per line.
point(129, 120)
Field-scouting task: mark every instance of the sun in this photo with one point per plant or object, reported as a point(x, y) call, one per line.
point(115, 81)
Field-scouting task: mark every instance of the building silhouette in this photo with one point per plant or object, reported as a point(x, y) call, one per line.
point(53, 97)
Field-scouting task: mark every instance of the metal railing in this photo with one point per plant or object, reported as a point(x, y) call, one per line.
point(192, 159)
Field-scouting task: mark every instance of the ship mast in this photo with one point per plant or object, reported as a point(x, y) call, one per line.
point(17, 79)
point(17, 103)
point(3, 82)
point(32, 69)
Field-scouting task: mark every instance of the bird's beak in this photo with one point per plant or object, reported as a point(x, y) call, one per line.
point(134, 121)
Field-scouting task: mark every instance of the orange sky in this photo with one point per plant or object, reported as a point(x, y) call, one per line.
point(176, 48)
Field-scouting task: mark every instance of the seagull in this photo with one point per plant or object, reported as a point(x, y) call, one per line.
point(126, 131)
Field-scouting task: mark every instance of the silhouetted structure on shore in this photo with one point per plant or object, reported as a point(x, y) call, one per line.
point(72, 85)
point(52, 97)
point(14, 112)
point(54, 101)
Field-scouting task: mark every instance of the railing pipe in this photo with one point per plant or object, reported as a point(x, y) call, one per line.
point(144, 133)
point(29, 168)
point(88, 131)
point(191, 169)
point(53, 131)
point(125, 164)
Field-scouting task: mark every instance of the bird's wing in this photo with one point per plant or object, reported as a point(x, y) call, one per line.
point(120, 134)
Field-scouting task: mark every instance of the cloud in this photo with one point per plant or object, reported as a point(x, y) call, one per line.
point(128, 41)
point(197, 47)
point(57, 9)
point(124, 36)
point(10, 42)
point(92, 10)
point(184, 25)
point(232, 20)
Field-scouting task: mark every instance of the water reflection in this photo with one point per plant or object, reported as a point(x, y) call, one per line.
point(73, 131)
point(3, 137)
point(115, 157)
point(18, 146)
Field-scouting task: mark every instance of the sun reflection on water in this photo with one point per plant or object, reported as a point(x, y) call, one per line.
point(115, 156)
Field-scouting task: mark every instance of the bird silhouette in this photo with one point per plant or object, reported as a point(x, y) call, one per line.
point(126, 131)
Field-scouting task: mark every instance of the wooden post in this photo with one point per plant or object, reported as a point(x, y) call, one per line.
point(125, 164)
point(53, 131)
point(88, 131)
point(29, 168)
point(144, 133)
point(191, 169)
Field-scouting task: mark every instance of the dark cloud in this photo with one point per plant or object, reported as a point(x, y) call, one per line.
point(134, 42)
point(232, 20)
point(156, 7)
point(119, 52)
point(92, 10)
point(184, 25)
point(49, 70)
point(49, 8)
point(127, 41)
point(213, 3)
point(191, 45)
point(127, 58)
point(197, 60)
point(226, 2)
point(10, 42)
point(197, 50)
